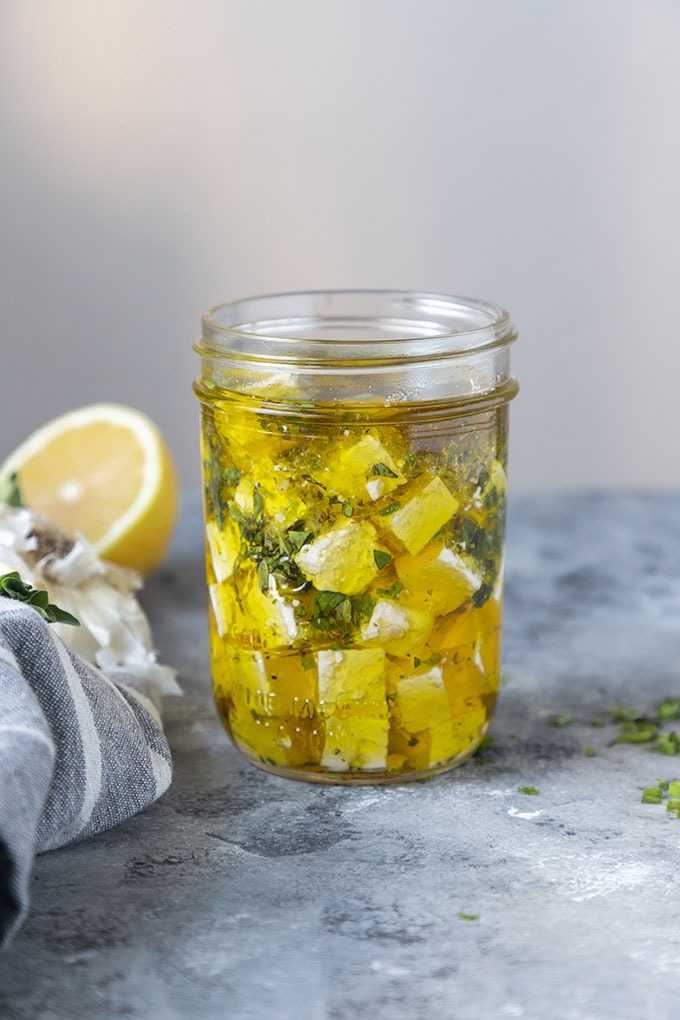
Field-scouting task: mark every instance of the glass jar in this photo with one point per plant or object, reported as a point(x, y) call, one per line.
point(354, 448)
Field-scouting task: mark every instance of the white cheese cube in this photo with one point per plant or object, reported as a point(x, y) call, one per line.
point(341, 559)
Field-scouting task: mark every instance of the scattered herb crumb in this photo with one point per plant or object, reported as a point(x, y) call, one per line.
point(531, 790)
point(564, 719)
point(467, 917)
point(663, 792)
point(590, 751)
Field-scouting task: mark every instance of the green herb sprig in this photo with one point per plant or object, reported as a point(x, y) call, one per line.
point(12, 587)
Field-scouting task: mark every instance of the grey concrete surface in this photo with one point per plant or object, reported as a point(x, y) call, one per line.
point(242, 895)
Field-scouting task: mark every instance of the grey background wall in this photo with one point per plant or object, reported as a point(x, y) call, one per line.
point(163, 155)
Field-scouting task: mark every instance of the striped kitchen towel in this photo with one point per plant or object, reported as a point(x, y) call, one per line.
point(79, 751)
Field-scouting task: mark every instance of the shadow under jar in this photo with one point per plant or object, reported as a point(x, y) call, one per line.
point(354, 448)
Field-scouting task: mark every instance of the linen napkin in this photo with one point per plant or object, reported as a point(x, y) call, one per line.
point(81, 740)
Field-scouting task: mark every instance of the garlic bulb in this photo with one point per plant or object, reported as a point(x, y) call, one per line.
point(114, 633)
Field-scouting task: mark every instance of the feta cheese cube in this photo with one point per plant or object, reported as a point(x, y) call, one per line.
point(263, 619)
point(341, 559)
point(360, 469)
point(422, 700)
point(439, 577)
point(352, 677)
point(260, 737)
point(272, 685)
point(400, 629)
point(428, 507)
point(355, 741)
point(223, 546)
point(221, 603)
point(269, 615)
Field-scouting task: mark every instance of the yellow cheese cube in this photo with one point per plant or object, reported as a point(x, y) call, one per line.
point(223, 547)
point(488, 618)
point(268, 615)
point(469, 643)
point(282, 502)
point(414, 748)
point(469, 725)
point(422, 700)
point(439, 577)
point(355, 741)
point(250, 616)
point(292, 685)
point(287, 742)
point(427, 508)
point(352, 678)
point(222, 605)
point(341, 559)
point(360, 469)
point(261, 737)
point(399, 628)
point(248, 445)
point(272, 685)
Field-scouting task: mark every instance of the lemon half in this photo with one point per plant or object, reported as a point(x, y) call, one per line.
point(104, 472)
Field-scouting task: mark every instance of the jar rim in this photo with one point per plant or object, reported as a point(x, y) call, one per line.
point(350, 326)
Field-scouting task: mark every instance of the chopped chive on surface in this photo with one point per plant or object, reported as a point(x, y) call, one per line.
point(564, 719)
point(531, 790)
point(467, 917)
point(652, 795)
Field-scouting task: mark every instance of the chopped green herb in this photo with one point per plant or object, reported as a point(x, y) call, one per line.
point(637, 731)
point(390, 509)
point(393, 592)
point(263, 575)
point(531, 790)
point(652, 795)
point(589, 751)
point(564, 719)
point(467, 917)
point(12, 587)
point(382, 469)
point(327, 602)
point(347, 509)
point(232, 476)
point(667, 743)
point(381, 558)
point(298, 538)
point(432, 660)
point(674, 788)
point(668, 710)
point(308, 662)
point(236, 514)
point(621, 714)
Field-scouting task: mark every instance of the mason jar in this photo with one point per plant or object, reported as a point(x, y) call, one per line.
point(354, 448)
